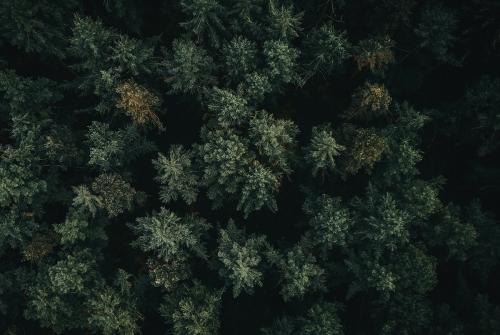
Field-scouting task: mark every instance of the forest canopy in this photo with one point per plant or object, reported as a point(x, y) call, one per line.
point(273, 167)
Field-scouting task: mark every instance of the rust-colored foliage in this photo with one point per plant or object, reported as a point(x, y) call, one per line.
point(374, 54)
point(139, 103)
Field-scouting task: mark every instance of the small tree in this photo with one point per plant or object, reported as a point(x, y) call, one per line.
point(241, 259)
point(368, 102)
point(193, 310)
point(139, 104)
point(188, 68)
point(176, 175)
point(322, 151)
point(167, 236)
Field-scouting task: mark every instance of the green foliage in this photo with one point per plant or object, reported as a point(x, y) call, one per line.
point(327, 49)
point(74, 228)
point(188, 67)
point(300, 273)
point(90, 40)
point(488, 315)
point(281, 326)
point(19, 180)
point(195, 311)
point(228, 108)
point(370, 273)
point(436, 30)
point(176, 175)
point(84, 199)
point(481, 102)
point(451, 231)
point(281, 62)
point(241, 259)
point(112, 309)
point(323, 149)
point(383, 223)
point(273, 139)
point(255, 86)
point(416, 271)
point(322, 318)
point(402, 153)
point(260, 186)
point(203, 18)
point(240, 55)
point(330, 221)
point(36, 26)
point(104, 59)
point(168, 274)
point(167, 236)
point(223, 157)
point(112, 149)
point(116, 194)
point(284, 22)
point(55, 298)
point(486, 251)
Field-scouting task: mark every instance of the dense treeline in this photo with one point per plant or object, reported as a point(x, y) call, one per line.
point(269, 167)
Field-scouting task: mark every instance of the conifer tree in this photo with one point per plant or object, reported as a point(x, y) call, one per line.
point(241, 258)
point(194, 310)
point(323, 150)
point(176, 175)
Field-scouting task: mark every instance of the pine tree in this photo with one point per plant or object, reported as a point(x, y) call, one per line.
point(55, 298)
point(281, 61)
point(116, 194)
point(274, 139)
point(299, 273)
point(369, 101)
point(367, 149)
point(167, 236)
point(436, 30)
point(177, 176)
point(204, 19)
point(188, 68)
point(284, 23)
point(139, 104)
point(330, 221)
point(113, 149)
point(224, 155)
point(228, 109)
point(37, 26)
point(259, 189)
point(322, 318)
point(241, 259)
point(194, 310)
point(326, 49)
point(323, 150)
point(240, 58)
point(374, 54)
point(112, 309)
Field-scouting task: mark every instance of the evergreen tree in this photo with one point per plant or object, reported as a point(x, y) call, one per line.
point(194, 310)
point(241, 259)
point(188, 67)
point(323, 150)
point(176, 176)
point(168, 236)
